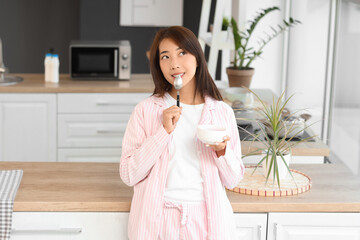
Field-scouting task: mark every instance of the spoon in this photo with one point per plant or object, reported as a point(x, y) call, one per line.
point(178, 86)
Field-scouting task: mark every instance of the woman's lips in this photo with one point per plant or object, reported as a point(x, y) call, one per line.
point(176, 74)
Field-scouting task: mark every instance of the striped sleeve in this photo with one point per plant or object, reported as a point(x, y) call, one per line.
point(230, 165)
point(140, 152)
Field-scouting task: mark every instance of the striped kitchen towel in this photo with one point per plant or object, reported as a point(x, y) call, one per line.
point(9, 184)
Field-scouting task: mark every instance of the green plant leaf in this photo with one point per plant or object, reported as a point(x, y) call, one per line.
point(243, 59)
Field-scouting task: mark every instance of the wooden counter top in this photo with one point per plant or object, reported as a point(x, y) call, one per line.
point(95, 187)
point(34, 83)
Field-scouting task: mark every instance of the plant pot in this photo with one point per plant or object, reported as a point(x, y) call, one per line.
point(239, 78)
point(282, 169)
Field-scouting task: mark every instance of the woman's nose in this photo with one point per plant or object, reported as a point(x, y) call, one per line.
point(174, 64)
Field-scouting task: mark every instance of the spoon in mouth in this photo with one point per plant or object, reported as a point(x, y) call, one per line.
point(178, 86)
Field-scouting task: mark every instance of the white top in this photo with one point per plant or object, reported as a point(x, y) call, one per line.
point(184, 182)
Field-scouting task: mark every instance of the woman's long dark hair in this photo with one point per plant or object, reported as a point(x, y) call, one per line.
point(187, 41)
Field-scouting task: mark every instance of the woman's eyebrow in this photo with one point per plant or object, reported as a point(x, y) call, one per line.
point(166, 51)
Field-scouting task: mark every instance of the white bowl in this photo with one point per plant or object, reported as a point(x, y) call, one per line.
point(210, 134)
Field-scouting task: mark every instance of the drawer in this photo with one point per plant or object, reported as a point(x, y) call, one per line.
point(89, 155)
point(99, 102)
point(91, 130)
point(69, 225)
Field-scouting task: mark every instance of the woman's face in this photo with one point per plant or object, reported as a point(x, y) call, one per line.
point(176, 61)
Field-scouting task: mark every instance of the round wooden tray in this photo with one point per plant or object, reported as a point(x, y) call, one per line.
point(255, 184)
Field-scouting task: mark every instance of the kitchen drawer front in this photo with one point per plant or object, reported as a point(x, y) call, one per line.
point(91, 130)
point(69, 225)
point(99, 102)
point(314, 226)
point(89, 154)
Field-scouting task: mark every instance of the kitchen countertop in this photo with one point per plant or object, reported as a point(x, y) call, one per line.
point(93, 187)
point(34, 83)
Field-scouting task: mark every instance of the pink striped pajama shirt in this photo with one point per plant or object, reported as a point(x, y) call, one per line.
point(144, 162)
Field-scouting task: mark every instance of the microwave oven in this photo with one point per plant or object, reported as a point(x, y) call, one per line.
point(100, 60)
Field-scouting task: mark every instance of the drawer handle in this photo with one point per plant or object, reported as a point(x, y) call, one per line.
point(259, 228)
point(50, 231)
point(109, 131)
point(110, 103)
point(275, 230)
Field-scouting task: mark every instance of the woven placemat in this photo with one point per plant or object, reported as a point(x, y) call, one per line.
point(255, 184)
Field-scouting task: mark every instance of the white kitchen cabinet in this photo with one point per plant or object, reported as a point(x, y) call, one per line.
point(251, 226)
point(69, 225)
point(151, 13)
point(28, 127)
point(91, 126)
point(314, 226)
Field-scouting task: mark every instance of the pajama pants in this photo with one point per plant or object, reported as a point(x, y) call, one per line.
point(183, 221)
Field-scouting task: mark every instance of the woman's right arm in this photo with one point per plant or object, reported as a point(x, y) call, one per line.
point(139, 151)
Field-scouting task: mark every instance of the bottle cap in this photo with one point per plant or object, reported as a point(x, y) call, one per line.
point(48, 55)
point(55, 55)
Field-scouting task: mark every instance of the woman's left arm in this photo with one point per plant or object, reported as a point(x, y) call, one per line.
point(228, 156)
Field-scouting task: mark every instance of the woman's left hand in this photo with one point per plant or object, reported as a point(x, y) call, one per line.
point(220, 147)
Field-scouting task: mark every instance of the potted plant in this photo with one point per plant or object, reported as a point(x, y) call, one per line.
point(240, 72)
point(276, 135)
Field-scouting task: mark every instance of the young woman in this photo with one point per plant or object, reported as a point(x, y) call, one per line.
point(179, 182)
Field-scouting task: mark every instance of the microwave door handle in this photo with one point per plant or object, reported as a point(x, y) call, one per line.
point(116, 59)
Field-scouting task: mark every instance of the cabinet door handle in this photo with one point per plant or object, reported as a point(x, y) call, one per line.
point(259, 231)
point(275, 231)
point(102, 103)
point(49, 231)
point(108, 131)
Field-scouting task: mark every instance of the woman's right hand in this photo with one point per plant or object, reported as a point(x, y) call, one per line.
point(171, 116)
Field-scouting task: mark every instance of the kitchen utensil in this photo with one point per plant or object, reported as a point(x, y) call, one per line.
point(6, 80)
point(178, 86)
point(210, 134)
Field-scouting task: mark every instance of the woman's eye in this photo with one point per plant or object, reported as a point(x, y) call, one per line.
point(164, 57)
point(182, 53)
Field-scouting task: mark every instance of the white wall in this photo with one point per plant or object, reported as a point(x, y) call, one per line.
point(345, 117)
point(308, 46)
point(347, 75)
point(269, 66)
